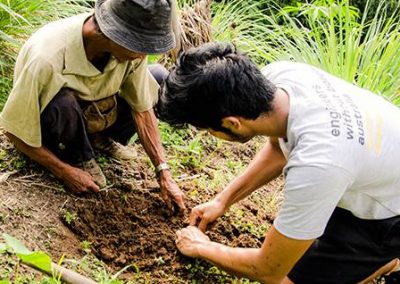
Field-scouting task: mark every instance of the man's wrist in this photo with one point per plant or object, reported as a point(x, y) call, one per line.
point(223, 200)
point(200, 247)
point(161, 167)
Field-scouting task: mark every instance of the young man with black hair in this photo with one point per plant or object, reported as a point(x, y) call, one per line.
point(337, 146)
point(83, 83)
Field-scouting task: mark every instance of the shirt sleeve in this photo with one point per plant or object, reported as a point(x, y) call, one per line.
point(140, 89)
point(311, 194)
point(21, 113)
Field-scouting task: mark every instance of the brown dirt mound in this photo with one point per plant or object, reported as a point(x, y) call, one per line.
point(127, 225)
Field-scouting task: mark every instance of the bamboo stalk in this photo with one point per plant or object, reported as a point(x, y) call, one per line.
point(66, 275)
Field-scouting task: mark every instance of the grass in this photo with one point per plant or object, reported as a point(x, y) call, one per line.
point(18, 19)
point(329, 34)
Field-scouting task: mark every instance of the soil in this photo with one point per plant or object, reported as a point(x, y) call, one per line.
point(126, 224)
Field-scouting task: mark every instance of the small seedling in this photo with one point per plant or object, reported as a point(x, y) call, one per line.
point(18, 163)
point(86, 246)
point(159, 260)
point(69, 217)
point(103, 160)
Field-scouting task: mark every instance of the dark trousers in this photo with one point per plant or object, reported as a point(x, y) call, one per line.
point(350, 250)
point(63, 125)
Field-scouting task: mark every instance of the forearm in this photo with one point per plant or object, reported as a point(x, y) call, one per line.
point(149, 135)
point(42, 155)
point(147, 129)
point(266, 166)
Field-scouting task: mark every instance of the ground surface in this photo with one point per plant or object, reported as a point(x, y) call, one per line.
point(128, 224)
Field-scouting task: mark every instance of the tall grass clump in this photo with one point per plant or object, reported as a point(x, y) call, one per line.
point(242, 23)
point(329, 34)
point(18, 19)
point(333, 36)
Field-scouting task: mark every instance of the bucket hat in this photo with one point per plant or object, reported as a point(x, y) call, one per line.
point(142, 26)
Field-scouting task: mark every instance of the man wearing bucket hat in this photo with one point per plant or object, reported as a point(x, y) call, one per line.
point(82, 83)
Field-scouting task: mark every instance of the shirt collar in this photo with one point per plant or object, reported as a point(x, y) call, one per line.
point(75, 61)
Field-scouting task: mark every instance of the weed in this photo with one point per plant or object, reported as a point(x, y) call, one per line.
point(52, 230)
point(235, 166)
point(69, 217)
point(21, 211)
point(103, 160)
point(61, 187)
point(3, 216)
point(3, 154)
point(18, 163)
point(86, 246)
point(194, 194)
point(124, 197)
point(133, 139)
point(159, 260)
point(203, 270)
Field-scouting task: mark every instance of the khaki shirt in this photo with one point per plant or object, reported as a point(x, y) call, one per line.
point(54, 58)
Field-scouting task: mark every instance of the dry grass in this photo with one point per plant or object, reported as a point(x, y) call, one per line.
point(193, 28)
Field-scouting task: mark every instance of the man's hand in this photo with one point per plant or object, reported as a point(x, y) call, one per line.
point(76, 179)
point(170, 191)
point(79, 181)
point(206, 213)
point(188, 239)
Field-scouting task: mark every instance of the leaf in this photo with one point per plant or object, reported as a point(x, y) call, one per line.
point(15, 245)
point(37, 259)
point(5, 281)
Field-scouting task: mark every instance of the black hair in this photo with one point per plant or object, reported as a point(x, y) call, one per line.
point(211, 82)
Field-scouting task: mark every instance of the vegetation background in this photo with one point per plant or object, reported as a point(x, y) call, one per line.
point(357, 40)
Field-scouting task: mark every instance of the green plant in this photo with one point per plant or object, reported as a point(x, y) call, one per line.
point(97, 270)
point(329, 34)
point(86, 246)
point(38, 259)
point(18, 19)
point(185, 146)
point(336, 39)
point(69, 217)
point(18, 163)
point(103, 159)
point(203, 270)
point(190, 154)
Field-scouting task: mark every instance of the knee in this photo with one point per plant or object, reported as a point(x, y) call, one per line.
point(159, 72)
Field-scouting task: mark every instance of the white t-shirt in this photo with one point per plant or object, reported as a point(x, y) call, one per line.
point(342, 147)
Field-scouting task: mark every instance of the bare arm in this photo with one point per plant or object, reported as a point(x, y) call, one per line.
point(268, 264)
point(266, 165)
point(147, 129)
point(76, 179)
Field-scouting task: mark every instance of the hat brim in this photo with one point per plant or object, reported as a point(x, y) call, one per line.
point(129, 39)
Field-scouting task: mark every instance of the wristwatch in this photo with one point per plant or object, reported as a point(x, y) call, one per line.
point(161, 167)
